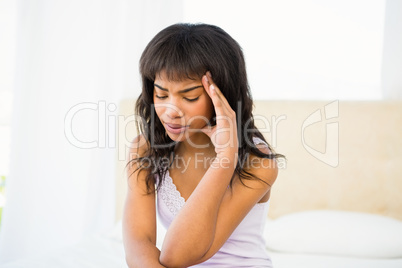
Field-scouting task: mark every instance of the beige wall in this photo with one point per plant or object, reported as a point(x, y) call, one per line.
point(357, 161)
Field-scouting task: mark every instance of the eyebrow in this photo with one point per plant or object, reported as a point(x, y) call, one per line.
point(180, 91)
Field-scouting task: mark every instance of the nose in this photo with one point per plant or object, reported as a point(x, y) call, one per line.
point(173, 111)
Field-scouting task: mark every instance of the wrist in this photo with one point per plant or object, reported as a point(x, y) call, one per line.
point(226, 161)
point(228, 154)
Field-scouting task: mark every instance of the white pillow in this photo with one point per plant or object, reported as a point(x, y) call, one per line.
point(333, 232)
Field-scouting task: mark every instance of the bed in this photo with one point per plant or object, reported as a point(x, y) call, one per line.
point(336, 202)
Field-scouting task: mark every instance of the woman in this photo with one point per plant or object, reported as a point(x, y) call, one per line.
point(200, 152)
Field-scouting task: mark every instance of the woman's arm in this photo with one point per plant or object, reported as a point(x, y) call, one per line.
point(139, 217)
point(204, 224)
point(191, 233)
point(213, 211)
point(239, 200)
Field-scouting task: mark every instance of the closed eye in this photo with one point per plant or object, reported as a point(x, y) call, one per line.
point(187, 99)
point(190, 100)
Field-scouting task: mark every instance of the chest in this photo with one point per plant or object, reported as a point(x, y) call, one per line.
point(186, 173)
point(186, 177)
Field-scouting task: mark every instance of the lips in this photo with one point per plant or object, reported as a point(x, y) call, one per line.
point(174, 125)
point(175, 128)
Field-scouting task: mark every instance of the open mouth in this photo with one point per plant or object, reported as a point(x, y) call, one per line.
point(175, 129)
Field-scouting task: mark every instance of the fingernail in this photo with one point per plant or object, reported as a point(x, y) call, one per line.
point(212, 88)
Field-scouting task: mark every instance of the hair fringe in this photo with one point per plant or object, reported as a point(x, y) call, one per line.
point(188, 51)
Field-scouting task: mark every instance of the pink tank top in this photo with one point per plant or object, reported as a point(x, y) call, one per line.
point(244, 248)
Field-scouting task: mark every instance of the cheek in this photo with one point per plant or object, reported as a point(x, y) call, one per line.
point(159, 110)
point(207, 107)
point(202, 112)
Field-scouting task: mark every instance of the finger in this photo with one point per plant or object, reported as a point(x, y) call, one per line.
point(218, 92)
point(212, 89)
point(217, 102)
point(207, 85)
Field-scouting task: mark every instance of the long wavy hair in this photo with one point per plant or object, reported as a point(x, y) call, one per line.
point(188, 51)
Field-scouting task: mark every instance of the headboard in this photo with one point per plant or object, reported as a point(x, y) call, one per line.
point(341, 155)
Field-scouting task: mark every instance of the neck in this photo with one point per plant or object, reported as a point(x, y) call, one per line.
point(198, 143)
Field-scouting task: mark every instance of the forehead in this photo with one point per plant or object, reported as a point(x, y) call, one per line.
point(173, 76)
point(163, 82)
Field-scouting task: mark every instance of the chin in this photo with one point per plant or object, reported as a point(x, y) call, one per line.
point(196, 138)
point(177, 137)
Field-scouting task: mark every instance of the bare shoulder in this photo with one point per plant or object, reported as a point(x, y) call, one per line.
point(138, 147)
point(263, 168)
point(139, 216)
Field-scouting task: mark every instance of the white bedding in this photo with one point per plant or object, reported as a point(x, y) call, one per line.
point(93, 252)
point(106, 251)
point(285, 260)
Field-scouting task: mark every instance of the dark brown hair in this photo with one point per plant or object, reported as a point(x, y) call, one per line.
point(189, 51)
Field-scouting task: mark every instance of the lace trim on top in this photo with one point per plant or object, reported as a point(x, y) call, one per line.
point(170, 195)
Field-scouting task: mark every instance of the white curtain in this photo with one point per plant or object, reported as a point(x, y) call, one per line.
point(75, 60)
point(391, 78)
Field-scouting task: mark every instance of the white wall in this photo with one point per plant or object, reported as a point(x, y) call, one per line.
point(308, 49)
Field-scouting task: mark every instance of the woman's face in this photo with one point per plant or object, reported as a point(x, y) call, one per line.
point(183, 106)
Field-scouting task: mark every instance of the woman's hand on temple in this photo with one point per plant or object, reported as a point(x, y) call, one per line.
point(224, 134)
